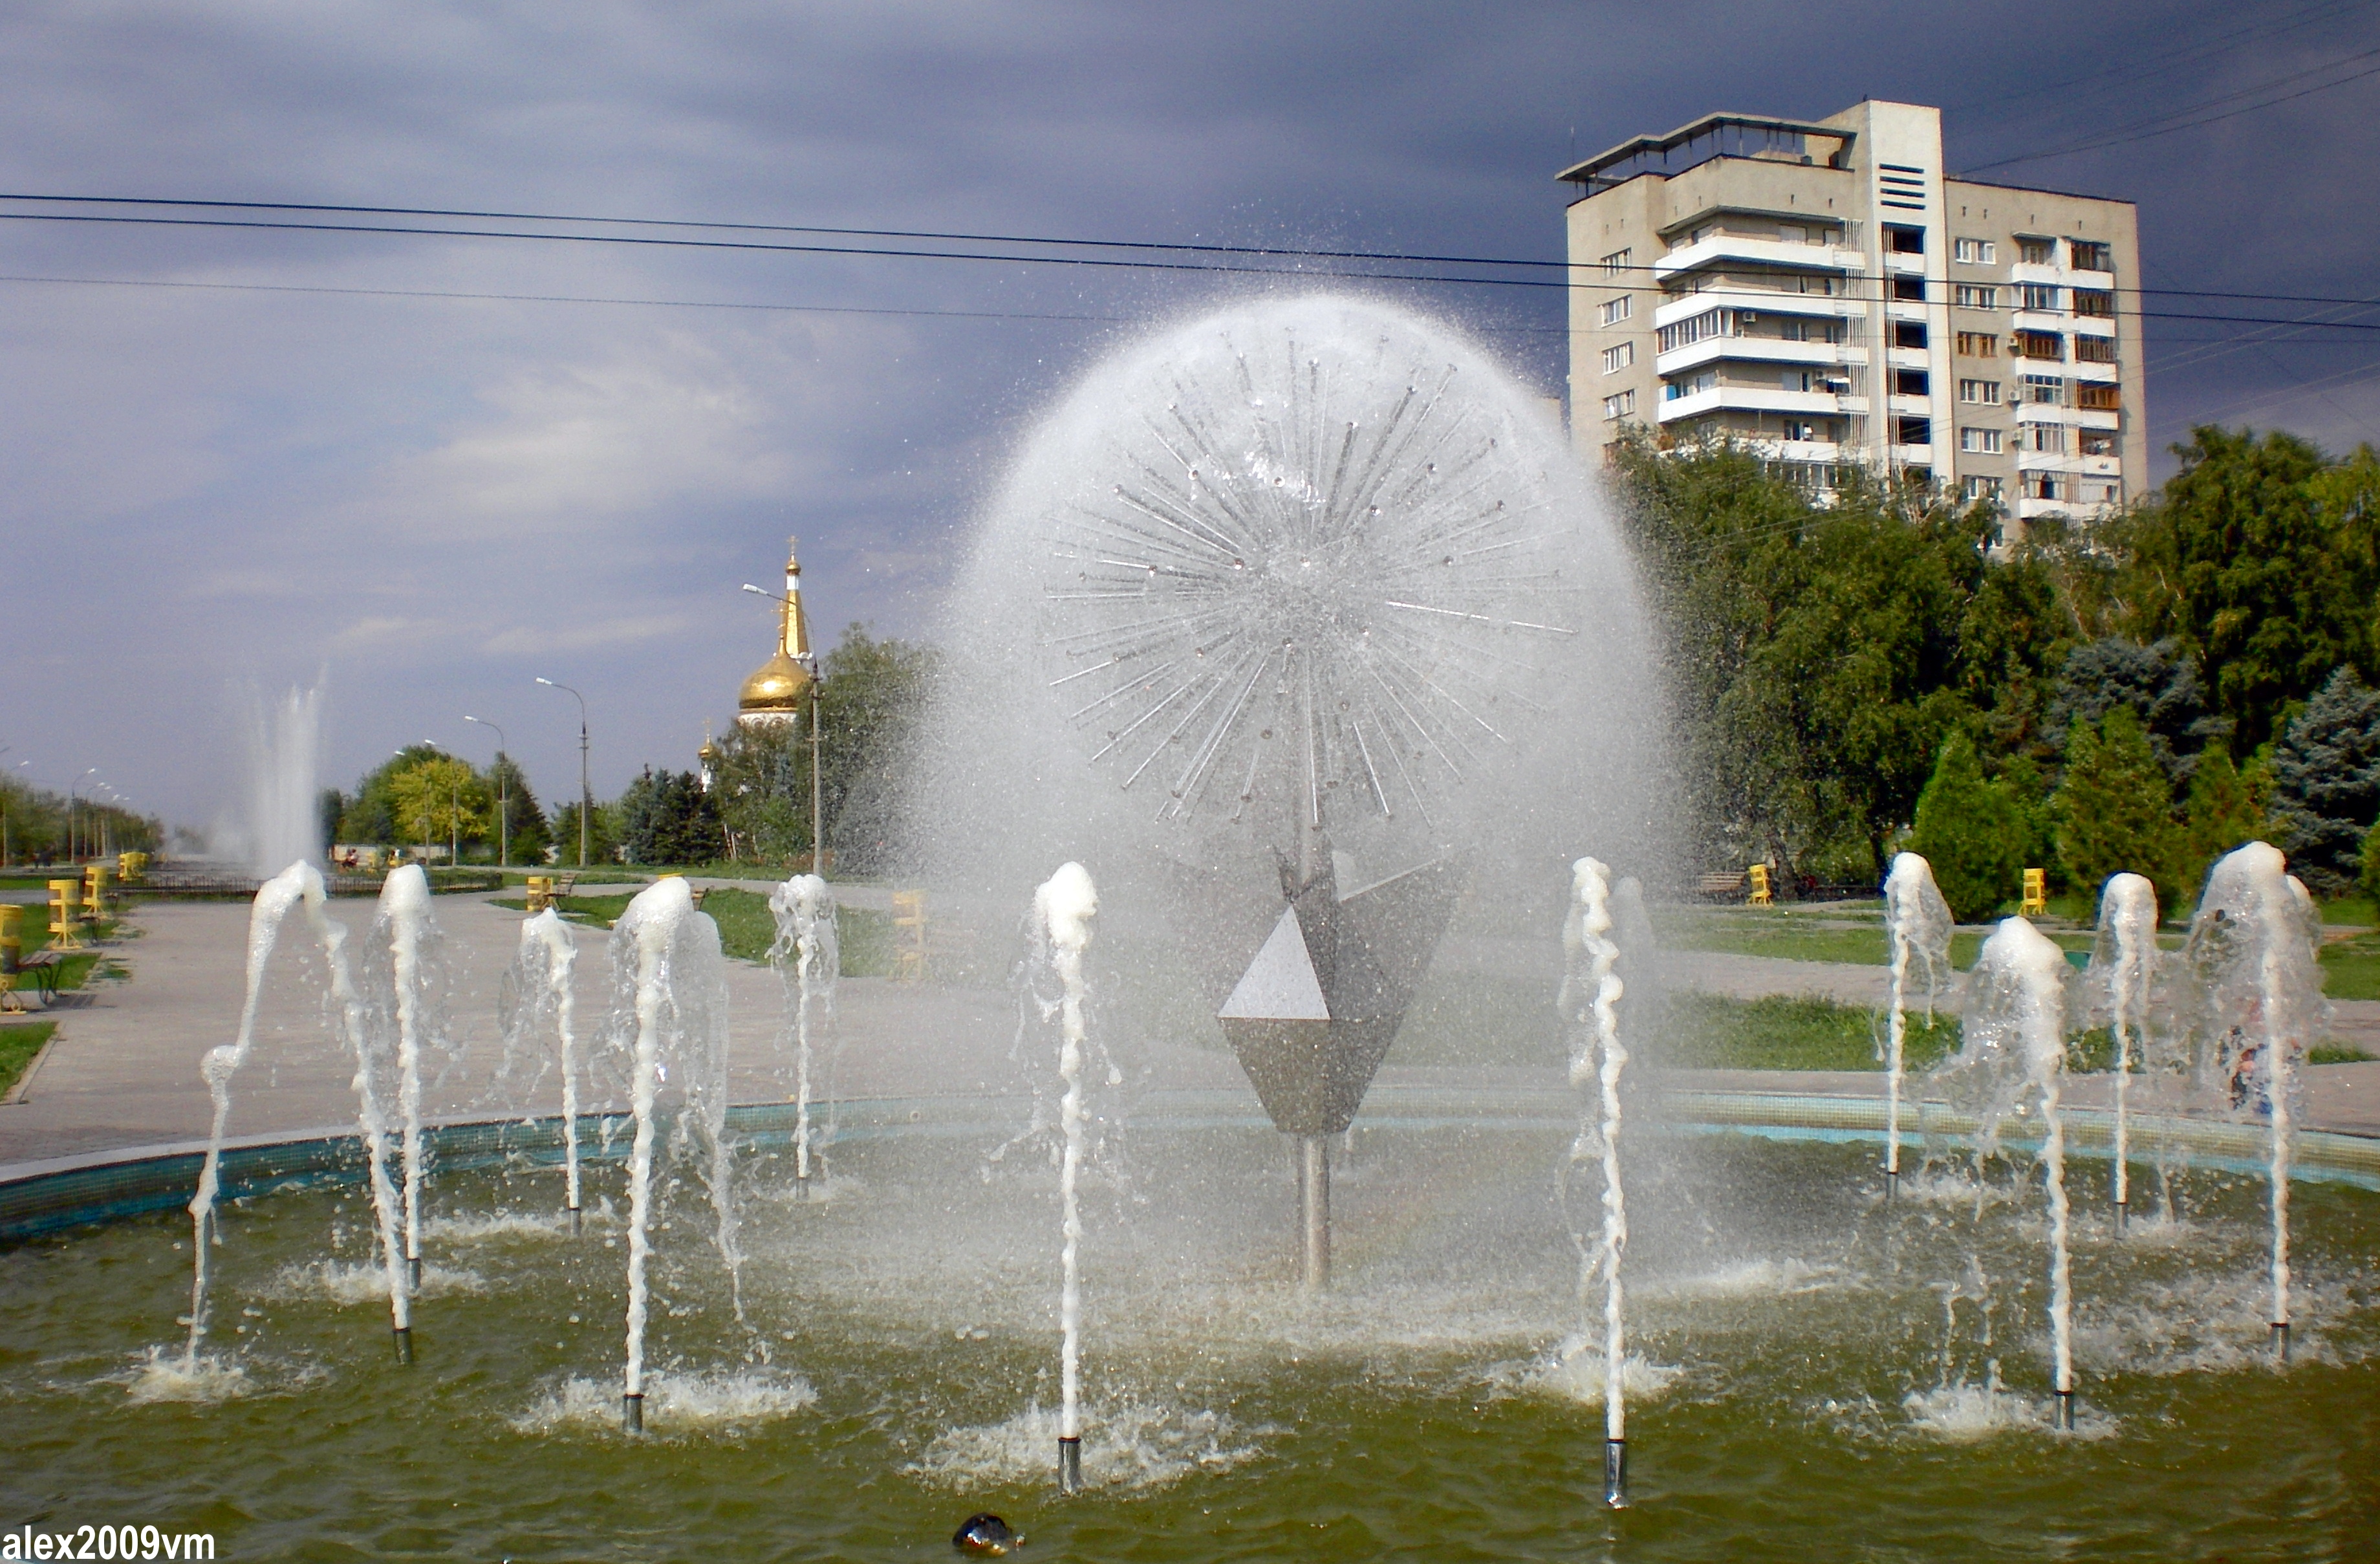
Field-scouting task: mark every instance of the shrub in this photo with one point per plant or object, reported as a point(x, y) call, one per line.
point(1973, 833)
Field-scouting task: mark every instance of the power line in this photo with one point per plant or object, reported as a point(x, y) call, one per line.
point(2157, 65)
point(1273, 253)
point(565, 299)
point(2125, 135)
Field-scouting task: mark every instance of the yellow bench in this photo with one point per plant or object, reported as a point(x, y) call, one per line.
point(909, 935)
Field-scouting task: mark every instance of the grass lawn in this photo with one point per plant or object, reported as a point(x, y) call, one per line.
point(747, 926)
point(2351, 969)
point(19, 1041)
point(1793, 934)
point(1782, 1033)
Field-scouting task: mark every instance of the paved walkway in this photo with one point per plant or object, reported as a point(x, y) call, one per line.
point(123, 1070)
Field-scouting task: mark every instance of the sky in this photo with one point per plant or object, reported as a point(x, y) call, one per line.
point(425, 470)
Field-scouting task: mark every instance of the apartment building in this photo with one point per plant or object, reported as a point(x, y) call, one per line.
point(1824, 293)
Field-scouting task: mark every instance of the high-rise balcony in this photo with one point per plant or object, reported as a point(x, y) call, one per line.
point(1765, 252)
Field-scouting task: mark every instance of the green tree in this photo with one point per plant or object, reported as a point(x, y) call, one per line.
point(870, 694)
point(2228, 809)
point(516, 812)
point(2115, 809)
point(1972, 832)
point(2326, 782)
point(666, 817)
point(602, 835)
point(438, 799)
point(2259, 557)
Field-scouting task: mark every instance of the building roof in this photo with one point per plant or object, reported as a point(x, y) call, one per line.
point(1778, 136)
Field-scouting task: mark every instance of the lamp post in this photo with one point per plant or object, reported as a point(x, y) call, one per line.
point(818, 786)
point(503, 796)
point(73, 804)
point(585, 792)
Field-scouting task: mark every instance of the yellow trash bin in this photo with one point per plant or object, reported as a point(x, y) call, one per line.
point(66, 914)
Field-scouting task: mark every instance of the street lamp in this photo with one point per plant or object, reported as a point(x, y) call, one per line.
point(586, 793)
point(503, 796)
point(818, 788)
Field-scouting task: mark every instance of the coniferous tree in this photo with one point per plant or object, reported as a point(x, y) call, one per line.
point(2226, 808)
point(2326, 784)
point(1972, 832)
point(2115, 809)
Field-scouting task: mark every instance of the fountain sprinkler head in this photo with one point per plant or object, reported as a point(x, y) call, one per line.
point(405, 1344)
point(1615, 1474)
point(2281, 1340)
point(984, 1535)
point(632, 1412)
point(578, 1221)
point(1070, 1464)
point(2066, 1411)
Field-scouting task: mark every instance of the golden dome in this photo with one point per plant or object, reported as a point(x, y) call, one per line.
point(780, 685)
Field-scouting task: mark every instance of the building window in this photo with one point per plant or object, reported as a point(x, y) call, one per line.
point(1913, 431)
point(1909, 290)
point(1616, 263)
point(2043, 485)
point(1621, 406)
point(2094, 301)
point(2091, 255)
point(1908, 334)
point(1899, 240)
point(2098, 398)
point(1802, 379)
point(1618, 356)
point(1802, 428)
point(2036, 344)
point(2094, 349)
point(1614, 310)
point(1970, 295)
point(2093, 442)
point(2039, 295)
point(1911, 383)
point(2100, 493)
point(1979, 344)
point(2045, 391)
point(2047, 438)
point(1983, 392)
point(1690, 385)
point(1974, 252)
point(2037, 252)
point(1982, 489)
point(1685, 333)
point(1983, 442)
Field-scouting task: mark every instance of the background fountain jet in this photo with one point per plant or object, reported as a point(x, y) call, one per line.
point(1315, 1012)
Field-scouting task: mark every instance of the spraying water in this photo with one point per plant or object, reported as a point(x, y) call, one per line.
point(405, 929)
point(299, 884)
point(1063, 908)
point(1920, 924)
point(285, 754)
point(2126, 959)
point(805, 911)
point(2251, 956)
point(272, 902)
point(539, 987)
point(669, 1027)
point(2012, 1058)
point(1590, 1001)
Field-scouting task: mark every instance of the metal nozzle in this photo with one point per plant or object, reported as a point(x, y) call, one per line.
point(1070, 1465)
point(2281, 1340)
point(405, 1344)
point(2065, 1418)
point(632, 1412)
point(578, 1221)
point(1615, 1474)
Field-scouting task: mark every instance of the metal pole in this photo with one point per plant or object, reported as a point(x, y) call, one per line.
point(1314, 1212)
point(503, 793)
point(817, 790)
point(585, 792)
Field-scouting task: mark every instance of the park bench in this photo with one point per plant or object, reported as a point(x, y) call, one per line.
point(42, 968)
point(564, 884)
point(1722, 884)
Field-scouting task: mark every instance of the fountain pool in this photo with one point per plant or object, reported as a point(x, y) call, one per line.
point(1812, 1368)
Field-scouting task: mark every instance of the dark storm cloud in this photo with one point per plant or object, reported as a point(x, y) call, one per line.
point(437, 499)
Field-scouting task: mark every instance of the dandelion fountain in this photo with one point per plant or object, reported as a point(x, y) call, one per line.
point(1300, 627)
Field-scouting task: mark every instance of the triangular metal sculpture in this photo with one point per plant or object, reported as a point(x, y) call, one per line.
point(1314, 1014)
